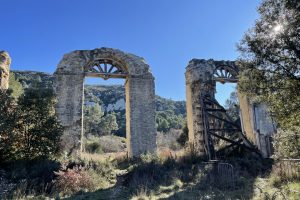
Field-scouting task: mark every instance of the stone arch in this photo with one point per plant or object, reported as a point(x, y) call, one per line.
point(139, 90)
point(201, 77)
point(203, 111)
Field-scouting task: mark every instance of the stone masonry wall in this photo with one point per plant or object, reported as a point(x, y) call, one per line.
point(140, 115)
point(257, 124)
point(198, 82)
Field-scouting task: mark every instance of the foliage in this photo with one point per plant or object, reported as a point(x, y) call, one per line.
point(83, 175)
point(270, 60)
point(38, 131)
point(108, 124)
point(92, 118)
point(184, 136)
point(96, 123)
point(168, 140)
point(165, 120)
point(15, 86)
point(32, 79)
point(93, 147)
point(163, 104)
point(104, 144)
point(286, 143)
point(8, 120)
point(29, 128)
point(70, 181)
point(232, 106)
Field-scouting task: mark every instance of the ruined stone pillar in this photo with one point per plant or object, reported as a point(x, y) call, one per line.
point(257, 124)
point(69, 109)
point(198, 82)
point(246, 115)
point(4, 69)
point(140, 115)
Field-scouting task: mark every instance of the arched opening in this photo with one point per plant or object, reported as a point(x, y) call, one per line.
point(106, 63)
point(104, 117)
point(213, 131)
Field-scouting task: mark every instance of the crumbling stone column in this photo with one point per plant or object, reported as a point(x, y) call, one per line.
point(140, 115)
point(69, 109)
point(198, 82)
point(246, 115)
point(257, 124)
point(4, 69)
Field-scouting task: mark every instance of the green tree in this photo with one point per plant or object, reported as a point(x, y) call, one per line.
point(38, 131)
point(232, 106)
point(184, 136)
point(287, 143)
point(8, 121)
point(163, 125)
point(92, 119)
point(108, 124)
point(165, 120)
point(29, 128)
point(96, 123)
point(270, 60)
point(15, 86)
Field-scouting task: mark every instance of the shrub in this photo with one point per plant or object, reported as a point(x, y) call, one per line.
point(112, 143)
point(104, 144)
point(286, 143)
point(169, 140)
point(93, 147)
point(71, 181)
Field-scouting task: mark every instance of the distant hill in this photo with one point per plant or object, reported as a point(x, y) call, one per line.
point(110, 97)
point(28, 78)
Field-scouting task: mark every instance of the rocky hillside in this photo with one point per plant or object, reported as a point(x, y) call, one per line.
point(111, 98)
point(29, 78)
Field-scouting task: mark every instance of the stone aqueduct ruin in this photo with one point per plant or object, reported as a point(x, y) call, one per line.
point(107, 63)
point(207, 119)
point(205, 116)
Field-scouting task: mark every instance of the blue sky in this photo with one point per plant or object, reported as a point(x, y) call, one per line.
point(167, 33)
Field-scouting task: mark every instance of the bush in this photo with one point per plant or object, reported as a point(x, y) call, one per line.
point(184, 136)
point(287, 143)
point(71, 181)
point(105, 144)
point(169, 140)
point(93, 147)
point(101, 173)
point(30, 177)
point(112, 143)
